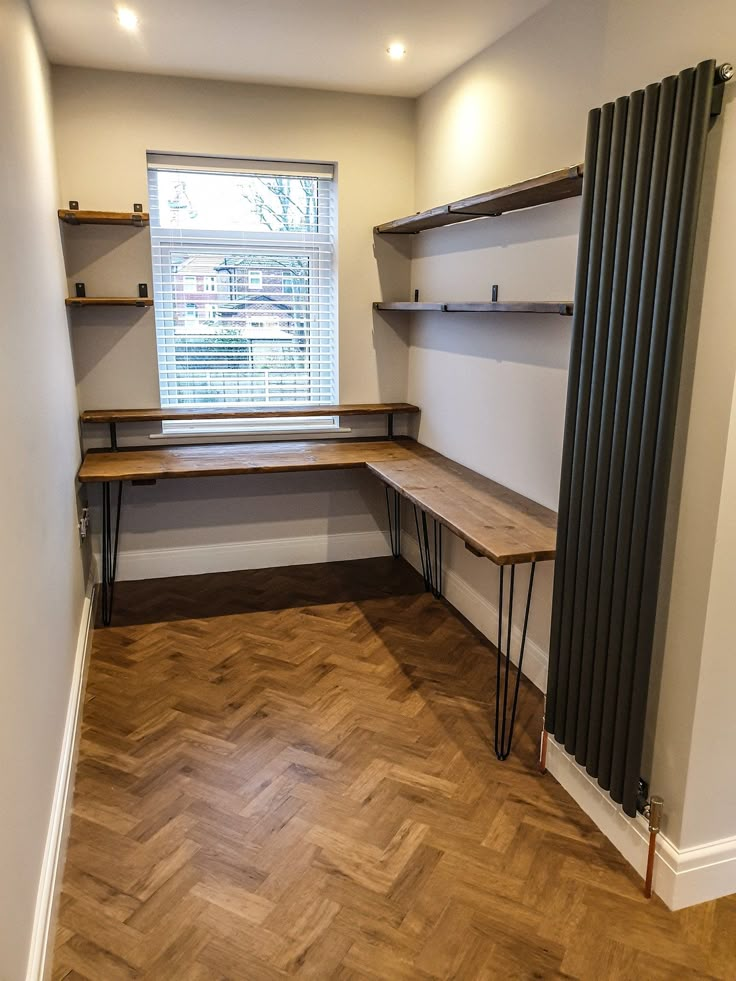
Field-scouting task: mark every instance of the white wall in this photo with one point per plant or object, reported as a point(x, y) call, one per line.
point(493, 388)
point(41, 577)
point(710, 805)
point(122, 116)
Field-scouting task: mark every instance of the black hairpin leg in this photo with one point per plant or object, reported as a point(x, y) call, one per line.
point(504, 729)
point(110, 539)
point(423, 554)
point(394, 525)
point(430, 553)
point(436, 576)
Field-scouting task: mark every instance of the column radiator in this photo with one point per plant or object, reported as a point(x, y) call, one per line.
point(643, 172)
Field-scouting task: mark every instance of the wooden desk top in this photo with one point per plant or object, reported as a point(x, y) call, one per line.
point(232, 459)
point(233, 412)
point(494, 521)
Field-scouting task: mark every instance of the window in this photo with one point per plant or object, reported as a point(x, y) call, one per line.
point(244, 279)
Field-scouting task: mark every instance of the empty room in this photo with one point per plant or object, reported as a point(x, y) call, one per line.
point(368, 376)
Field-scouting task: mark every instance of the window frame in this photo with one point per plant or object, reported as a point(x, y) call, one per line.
point(319, 244)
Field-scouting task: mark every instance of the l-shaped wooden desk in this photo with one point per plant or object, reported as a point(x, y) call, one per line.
point(493, 521)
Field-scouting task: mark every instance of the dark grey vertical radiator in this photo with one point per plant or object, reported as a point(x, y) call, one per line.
point(643, 172)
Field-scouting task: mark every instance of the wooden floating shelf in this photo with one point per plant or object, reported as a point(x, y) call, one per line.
point(556, 186)
point(109, 301)
point(562, 307)
point(103, 217)
point(238, 412)
point(410, 307)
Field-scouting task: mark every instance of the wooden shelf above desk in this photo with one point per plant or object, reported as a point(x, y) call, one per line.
point(563, 307)
point(177, 412)
point(73, 217)
point(109, 301)
point(555, 186)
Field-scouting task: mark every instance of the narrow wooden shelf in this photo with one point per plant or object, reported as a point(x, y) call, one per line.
point(409, 307)
point(562, 307)
point(235, 412)
point(109, 301)
point(560, 184)
point(137, 218)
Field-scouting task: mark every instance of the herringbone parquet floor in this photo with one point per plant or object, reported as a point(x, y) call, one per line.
point(290, 773)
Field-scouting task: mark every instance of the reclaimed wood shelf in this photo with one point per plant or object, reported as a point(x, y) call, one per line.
point(103, 217)
point(238, 412)
point(562, 307)
point(109, 301)
point(555, 186)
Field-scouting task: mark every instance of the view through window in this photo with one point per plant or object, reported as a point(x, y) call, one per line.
point(244, 281)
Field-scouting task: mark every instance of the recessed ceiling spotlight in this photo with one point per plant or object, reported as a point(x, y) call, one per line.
point(127, 18)
point(396, 51)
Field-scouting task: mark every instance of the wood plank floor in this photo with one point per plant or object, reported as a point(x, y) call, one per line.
point(290, 773)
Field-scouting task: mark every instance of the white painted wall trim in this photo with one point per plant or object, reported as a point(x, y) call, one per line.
point(483, 614)
point(39, 961)
point(681, 877)
point(265, 554)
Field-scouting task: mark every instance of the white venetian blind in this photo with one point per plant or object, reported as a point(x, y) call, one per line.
point(244, 281)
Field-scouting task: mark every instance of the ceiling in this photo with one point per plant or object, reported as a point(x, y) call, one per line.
point(327, 44)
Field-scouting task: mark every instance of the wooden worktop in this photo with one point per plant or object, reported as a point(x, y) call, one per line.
point(492, 520)
point(232, 459)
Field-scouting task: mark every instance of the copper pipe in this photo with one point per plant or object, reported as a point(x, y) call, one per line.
point(655, 815)
point(543, 753)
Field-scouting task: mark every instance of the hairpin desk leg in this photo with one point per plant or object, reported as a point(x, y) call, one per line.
point(505, 714)
point(110, 537)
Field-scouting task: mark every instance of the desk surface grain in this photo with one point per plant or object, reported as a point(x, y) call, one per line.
point(493, 520)
point(232, 459)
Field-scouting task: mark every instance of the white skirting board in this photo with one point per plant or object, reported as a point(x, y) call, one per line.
point(39, 958)
point(269, 553)
point(681, 877)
